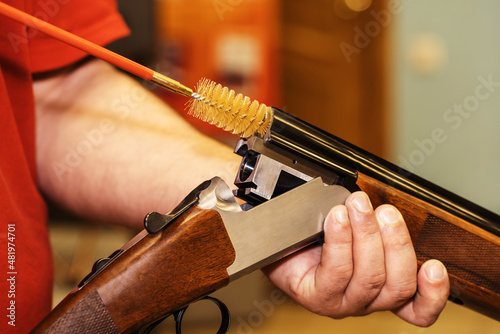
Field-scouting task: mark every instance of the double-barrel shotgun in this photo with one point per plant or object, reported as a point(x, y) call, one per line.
point(289, 178)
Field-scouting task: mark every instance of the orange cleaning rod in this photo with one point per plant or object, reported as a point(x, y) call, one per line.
point(95, 50)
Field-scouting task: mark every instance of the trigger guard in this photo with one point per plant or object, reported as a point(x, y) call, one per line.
point(224, 311)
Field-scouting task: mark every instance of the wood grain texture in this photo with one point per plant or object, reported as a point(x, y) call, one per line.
point(471, 255)
point(159, 273)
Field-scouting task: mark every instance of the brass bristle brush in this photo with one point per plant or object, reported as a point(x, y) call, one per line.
point(211, 102)
point(227, 110)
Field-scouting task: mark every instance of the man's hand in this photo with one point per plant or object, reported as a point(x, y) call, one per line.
point(366, 264)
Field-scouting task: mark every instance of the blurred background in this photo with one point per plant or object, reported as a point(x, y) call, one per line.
point(415, 82)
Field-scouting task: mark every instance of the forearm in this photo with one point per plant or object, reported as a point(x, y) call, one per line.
point(109, 149)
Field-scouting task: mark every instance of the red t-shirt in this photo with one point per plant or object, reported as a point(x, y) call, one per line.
point(25, 258)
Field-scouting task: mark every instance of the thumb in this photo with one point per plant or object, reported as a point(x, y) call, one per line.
point(433, 288)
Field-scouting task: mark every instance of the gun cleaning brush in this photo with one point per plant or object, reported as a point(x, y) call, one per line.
point(222, 107)
point(211, 102)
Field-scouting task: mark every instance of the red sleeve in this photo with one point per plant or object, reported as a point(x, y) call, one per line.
point(95, 20)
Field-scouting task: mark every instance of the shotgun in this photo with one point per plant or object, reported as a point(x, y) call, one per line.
point(291, 174)
point(289, 178)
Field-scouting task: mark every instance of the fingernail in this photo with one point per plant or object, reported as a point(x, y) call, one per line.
point(341, 214)
point(362, 202)
point(434, 271)
point(389, 215)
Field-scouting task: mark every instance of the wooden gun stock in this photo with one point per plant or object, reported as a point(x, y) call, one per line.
point(164, 271)
point(470, 254)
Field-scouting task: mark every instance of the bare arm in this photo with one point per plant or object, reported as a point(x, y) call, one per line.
point(109, 149)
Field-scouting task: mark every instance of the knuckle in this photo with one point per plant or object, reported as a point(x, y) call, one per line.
point(401, 243)
point(368, 288)
point(344, 272)
point(374, 282)
point(401, 293)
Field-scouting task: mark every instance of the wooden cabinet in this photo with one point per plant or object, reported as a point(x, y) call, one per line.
point(334, 65)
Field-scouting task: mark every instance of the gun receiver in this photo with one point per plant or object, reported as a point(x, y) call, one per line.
point(463, 235)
